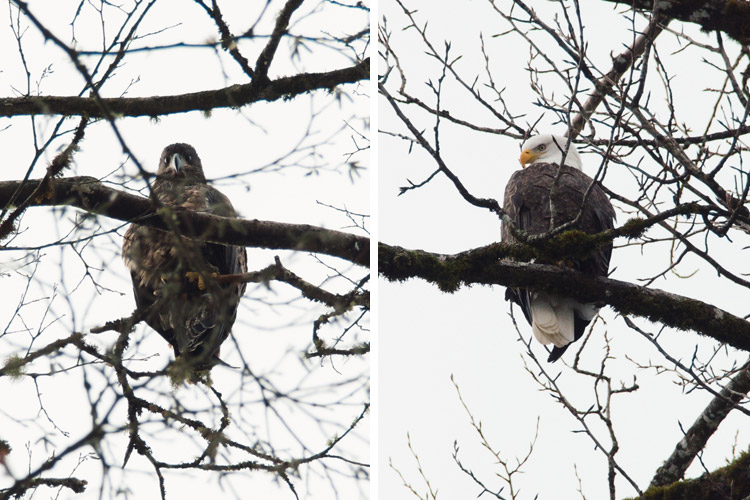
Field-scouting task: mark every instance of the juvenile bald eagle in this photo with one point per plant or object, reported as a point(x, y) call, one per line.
point(194, 315)
point(556, 319)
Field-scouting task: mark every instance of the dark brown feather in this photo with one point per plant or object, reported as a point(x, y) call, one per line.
point(194, 321)
point(527, 202)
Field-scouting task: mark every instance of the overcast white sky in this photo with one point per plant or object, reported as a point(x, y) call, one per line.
point(426, 336)
point(241, 151)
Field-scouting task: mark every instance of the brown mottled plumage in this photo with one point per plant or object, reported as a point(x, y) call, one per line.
point(556, 320)
point(194, 319)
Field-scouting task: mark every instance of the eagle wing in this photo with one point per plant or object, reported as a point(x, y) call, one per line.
point(213, 311)
point(527, 202)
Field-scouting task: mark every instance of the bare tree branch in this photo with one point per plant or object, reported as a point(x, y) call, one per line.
point(234, 96)
point(730, 17)
point(620, 65)
point(282, 23)
point(87, 193)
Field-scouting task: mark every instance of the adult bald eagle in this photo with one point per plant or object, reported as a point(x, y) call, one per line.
point(555, 319)
point(194, 315)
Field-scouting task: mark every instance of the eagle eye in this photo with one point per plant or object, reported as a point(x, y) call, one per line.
point(541, 147)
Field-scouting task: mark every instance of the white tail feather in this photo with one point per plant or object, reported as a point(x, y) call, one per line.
point(552, 318)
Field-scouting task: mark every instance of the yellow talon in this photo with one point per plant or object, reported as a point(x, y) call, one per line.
point(193, 276)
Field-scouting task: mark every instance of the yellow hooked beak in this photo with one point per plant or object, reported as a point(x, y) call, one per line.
point(527, 157)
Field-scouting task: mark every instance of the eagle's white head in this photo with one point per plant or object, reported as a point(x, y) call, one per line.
point(549, 148)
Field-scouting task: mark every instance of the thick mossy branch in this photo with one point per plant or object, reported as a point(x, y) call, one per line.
point(88, 194)
point(728, 16)
point(732, 481)
point(234, 96)
point(490, 266)
point(445, 271)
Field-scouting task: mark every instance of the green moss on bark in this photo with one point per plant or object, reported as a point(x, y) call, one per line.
point(730, 482)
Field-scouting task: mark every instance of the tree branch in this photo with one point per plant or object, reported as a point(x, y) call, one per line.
point(730, 17)
point(620, 65)
point(74, 484)
point(282, 23)
point(88, 194)
point(489, 204)
point(481, 266)
point(229, 97)
point(228, 41)
point(727, 482)
point(703, 428)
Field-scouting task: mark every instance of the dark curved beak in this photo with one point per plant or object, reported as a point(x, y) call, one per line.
point(177, 162)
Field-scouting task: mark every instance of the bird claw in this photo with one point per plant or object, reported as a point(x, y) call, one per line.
point(194, 276)
point(157, 290)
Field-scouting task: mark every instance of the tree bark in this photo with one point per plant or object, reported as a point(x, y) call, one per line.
point(728, 16)
point(489, 266)
point(88, 194)
point(730, 482)
point(234, 96)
